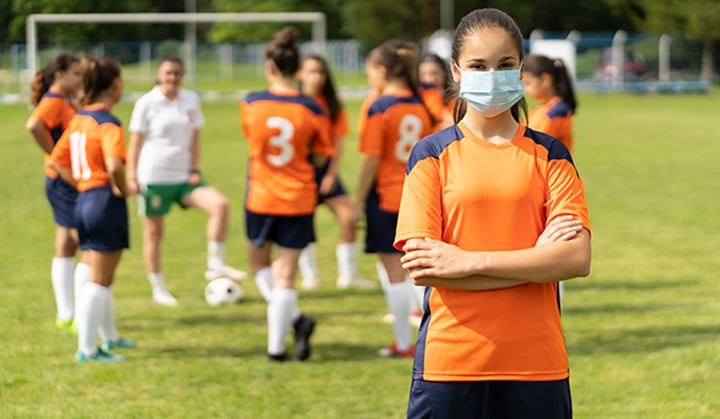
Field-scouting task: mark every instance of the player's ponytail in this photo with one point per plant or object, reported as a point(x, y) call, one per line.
point(45, 77)
point(283, 51)
point(537, 65)
point(98, 76)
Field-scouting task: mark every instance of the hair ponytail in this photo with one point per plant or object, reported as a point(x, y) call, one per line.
point(537, 65)
point(45, 77)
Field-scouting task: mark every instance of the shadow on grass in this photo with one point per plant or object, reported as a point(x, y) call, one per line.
point(642, 340)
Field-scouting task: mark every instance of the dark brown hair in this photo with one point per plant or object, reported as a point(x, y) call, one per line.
point(482, 19)
point(98, 76)
point(45, 77)
point(328, 89)
point(438, 61)
point(399, 59)
point(283, 51)
point(537, 65)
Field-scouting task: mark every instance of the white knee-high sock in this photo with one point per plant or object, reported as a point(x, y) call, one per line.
point(215, 255)
point(61, 275)
point(382, 274)
point(263, 280)
point(346, 254)
point(107, 327)
point(308, 263)
point(82, 273)
point(282, 306)
point(398, 303)
point(93, 304)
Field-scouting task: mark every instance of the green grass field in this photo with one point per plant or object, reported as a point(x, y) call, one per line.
point(643, 330)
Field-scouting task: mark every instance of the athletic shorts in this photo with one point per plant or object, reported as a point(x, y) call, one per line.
point(156, 199)
point(62, 198)
point(293, 232)
point(339, 189)
point(490, 399)
point(381, 226)
point(102, 220)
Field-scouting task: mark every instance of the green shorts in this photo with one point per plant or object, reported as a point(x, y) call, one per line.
point(157, 199)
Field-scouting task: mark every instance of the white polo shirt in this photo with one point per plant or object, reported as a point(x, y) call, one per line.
point(168, 127)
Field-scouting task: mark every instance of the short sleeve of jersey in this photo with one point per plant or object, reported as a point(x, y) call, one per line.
point(372, 136)
point(341, 126)
point(198, 119)
point(113, 141)
point(138, 118)
point(53, 112)
point(420, 213)
point(323, 143)
point(565, 188)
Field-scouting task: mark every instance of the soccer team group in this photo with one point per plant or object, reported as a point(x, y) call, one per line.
point(472, 203)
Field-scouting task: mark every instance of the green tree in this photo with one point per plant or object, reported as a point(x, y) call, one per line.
point(694, 19)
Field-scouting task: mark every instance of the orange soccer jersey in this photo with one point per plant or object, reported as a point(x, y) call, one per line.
point(340, 127)
point(92, 136)
point(394, 124)
point(283, 130)
point(434, 100)
point(480, 196)
point(554, 118)
point(55, 111)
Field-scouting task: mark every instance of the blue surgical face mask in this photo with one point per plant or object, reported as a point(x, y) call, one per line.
point(491, 92)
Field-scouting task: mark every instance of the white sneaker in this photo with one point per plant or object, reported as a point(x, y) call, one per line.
point(226, 271)
point(355, 282)
point(163, 297)
point(310, 283)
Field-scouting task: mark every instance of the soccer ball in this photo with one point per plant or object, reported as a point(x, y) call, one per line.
point(223, 290)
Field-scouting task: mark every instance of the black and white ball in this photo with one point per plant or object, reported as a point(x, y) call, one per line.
point(222, 291)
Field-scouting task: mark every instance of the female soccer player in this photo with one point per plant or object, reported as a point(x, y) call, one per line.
point(316, 82)
point(286, 130)
point(434, 79)
point(547, 81)
point(91, 156)
point(394, 122)
point(163, 166)
point(492, 217)
point(53, 89)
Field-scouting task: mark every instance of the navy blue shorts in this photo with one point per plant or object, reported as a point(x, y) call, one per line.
point(490, 399)
point(339, 189)
point(62, 198)
point(293, 232)
point(381, 226)
point(102, 220)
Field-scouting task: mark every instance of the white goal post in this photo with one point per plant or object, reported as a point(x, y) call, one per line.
point(317, 19)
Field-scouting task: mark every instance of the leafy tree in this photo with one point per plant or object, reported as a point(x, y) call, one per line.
point(694, 19)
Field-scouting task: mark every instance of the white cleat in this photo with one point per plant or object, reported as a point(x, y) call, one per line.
point(355, 282)
point(164, 298)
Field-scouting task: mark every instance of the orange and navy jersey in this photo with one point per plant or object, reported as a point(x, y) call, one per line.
point(92, 136)
point(434, 100)
point(394, 124)
point(554, 118)
point(364, 106)
point(55, 111)
point(340, 127)
point(283, 130)
point(480, 196)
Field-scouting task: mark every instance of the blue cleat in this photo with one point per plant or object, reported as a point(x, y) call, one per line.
point(121, 343)
point(99, 356)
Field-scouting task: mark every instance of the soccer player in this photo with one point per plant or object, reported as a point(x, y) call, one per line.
point(395, 120)
point(163, 167)
point(53, 89)
point(547, 81)
point(433, 71)
point(91, 156)
point(316, 82)
point(492, 216)
point(287, 132)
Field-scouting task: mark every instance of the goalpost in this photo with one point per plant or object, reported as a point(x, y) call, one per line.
point(317, 19)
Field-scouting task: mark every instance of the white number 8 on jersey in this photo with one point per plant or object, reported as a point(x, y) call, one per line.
point(409, 130)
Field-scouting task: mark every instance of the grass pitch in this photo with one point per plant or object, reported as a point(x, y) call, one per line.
point(643, 331)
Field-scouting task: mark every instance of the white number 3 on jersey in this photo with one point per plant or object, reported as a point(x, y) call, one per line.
point(281, 141)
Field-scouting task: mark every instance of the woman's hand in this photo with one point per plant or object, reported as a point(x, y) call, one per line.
point(434, 258)
point(132, 187)
point(327, 184)
point(559, 229)
point(194, 177)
